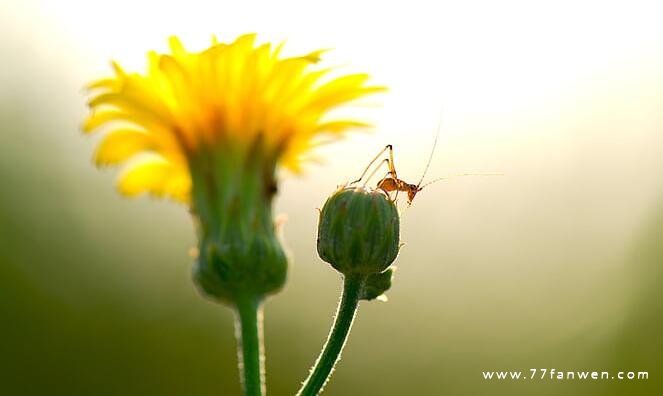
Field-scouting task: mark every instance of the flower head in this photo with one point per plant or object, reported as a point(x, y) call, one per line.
point(210, 129)
point(229, 95)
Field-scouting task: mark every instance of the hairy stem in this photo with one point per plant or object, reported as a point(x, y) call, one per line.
point(331, 353)
point(250, 349)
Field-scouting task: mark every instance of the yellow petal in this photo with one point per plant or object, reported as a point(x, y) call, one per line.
point(118, 69)
point(121, 144)
point(315, 56)
point(339, 126)
point(298, 94)
point(127, 101)
point(176, 47)
point(135, 106)
point(245, 42)
point(342, 89)
point(157, 177)
point(106, 83)
point(98, 119)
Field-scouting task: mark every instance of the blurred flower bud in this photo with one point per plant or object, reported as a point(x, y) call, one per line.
point(239, 249)
point(358, 231)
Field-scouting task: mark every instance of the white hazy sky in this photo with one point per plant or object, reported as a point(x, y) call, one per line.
point(507, 71)
point(470, 57)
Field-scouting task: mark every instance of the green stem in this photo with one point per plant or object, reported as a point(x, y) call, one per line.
point(250, 349)
point(347, 308)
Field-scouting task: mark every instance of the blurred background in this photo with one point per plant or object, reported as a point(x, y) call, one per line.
point(556, 264)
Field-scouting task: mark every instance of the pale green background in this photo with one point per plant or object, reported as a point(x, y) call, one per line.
point(556, 264)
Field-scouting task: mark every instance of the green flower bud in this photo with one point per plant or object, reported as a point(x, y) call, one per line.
point(240, 253)
point(358, 231)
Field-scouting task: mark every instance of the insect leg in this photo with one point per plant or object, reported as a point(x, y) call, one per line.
point(388, 147)
point(392, 167)
point(384, 161)
point(396, 195)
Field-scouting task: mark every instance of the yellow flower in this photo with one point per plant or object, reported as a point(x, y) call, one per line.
point(233, 96)
point(210, 129)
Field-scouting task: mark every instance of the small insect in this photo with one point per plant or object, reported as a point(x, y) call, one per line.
point(390, 182)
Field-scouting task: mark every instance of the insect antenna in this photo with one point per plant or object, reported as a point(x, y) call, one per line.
point(460, 174)
point(432, 151)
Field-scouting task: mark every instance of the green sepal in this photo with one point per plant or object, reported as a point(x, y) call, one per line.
point(376, 285)
point(239, 249)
